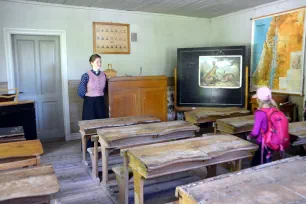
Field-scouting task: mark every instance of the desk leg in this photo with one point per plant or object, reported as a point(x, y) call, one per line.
point(138, 188)
point(304, 147)
point(124, 185)
point(84, 144)
point(215, 128)
point(94, 173)
point(37, 160)
point(211, 171)
point(104, 164)
point(236, 165)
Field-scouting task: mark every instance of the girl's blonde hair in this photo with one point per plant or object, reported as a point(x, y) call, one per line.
point(270, 102)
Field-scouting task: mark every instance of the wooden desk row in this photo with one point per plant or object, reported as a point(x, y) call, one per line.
point(136, 137)
point(176, 151)
point(25, 185)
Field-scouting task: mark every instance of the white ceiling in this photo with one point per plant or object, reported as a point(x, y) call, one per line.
point(193, 8)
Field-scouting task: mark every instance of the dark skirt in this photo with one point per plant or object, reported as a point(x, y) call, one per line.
point(93, 108)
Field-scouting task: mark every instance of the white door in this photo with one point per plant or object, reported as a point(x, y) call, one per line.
point(38, 77)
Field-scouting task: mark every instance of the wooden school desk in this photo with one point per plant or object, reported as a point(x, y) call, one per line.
point(206, 115)
point(156, 160)
point(11, 134)
point(297, 131)
point(20, 154)
point(28, 186)
point(236, 125)
point(277, 182)
point(89, 127)
point(123, 137)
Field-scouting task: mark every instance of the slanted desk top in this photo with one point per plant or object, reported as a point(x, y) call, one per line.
point(298, 130)
point(13, 103)
point(236, 125)
point(91, 126)
point(30, 182)
point(111, 135)
point(155, 157)
point(282, 181)
point(204, 115)
point(21, 149)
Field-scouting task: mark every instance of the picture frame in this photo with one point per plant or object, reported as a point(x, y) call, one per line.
point(223, 71)
point(111, 38)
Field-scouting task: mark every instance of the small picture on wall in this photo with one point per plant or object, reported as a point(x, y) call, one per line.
point(220, 71)
point(111, 38)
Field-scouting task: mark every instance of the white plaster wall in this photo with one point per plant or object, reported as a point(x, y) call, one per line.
point(155, 51)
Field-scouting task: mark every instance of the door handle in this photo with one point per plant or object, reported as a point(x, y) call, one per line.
point(21, 92)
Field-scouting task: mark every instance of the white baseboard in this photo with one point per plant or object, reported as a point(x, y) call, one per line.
point(74, 136)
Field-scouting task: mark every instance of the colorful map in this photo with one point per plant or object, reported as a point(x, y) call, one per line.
point(278, 52)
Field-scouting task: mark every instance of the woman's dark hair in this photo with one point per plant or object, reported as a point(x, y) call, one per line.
point(94, 57)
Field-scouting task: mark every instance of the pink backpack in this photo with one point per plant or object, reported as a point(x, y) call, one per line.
point(277, 137)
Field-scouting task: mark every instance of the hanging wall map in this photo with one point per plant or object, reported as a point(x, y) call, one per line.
point(111, 38)
point(278, 52)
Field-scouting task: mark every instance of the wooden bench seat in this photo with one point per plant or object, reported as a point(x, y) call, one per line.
point(119, 170)
point(90, 150)
point(153, 185)
point(20, 154)
point(115, 159)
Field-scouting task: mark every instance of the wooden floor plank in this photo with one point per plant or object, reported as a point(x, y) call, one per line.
point(76, 187)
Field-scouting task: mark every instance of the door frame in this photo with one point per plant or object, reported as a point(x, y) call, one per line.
point(8, 48)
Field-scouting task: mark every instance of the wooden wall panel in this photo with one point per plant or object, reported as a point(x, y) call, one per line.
point(75, 105)
point(3, 85)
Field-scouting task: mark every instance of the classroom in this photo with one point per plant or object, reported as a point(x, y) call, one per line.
point(152, 101)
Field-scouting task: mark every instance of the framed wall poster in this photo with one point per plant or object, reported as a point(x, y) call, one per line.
point(220, 71)
point(111, 38)
point(278, 44)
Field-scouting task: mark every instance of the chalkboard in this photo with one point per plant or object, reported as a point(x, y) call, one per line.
point(211, 77)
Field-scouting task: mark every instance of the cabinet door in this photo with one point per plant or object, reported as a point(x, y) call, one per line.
point(154, 102)
point(124, 102)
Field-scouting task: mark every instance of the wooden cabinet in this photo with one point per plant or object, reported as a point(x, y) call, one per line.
point(132, 96)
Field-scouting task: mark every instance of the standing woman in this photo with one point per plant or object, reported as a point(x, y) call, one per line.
point(92, 87)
